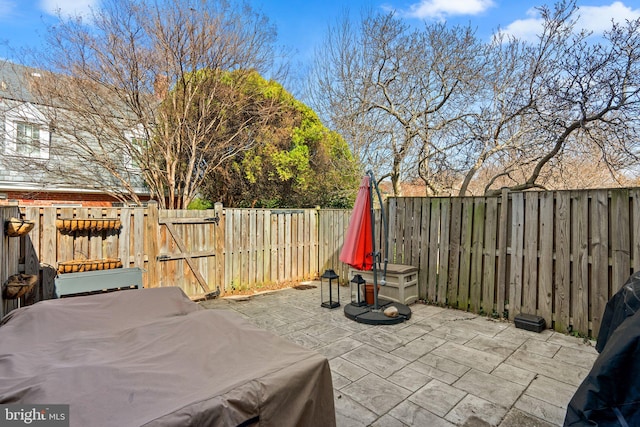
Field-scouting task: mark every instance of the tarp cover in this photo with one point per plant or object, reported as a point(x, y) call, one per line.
point(153, 357)
point(610, 394)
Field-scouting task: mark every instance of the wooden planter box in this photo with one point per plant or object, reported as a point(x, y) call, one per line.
point(402, 282)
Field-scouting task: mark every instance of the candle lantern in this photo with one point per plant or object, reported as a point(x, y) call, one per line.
point(327, 281)
point(357, 288)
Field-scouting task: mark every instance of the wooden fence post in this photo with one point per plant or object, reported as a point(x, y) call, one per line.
point(219, 247)
point(9, 254)
point(501, 292)
point(151, 243)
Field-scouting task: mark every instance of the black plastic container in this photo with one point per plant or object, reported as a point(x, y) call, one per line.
point(530, 322)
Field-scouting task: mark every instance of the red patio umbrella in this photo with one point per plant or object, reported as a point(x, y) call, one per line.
point(358, 244)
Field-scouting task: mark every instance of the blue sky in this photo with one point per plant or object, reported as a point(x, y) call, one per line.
point(302, 24)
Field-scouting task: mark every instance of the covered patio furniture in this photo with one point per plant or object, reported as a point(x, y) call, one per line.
point(152, 357)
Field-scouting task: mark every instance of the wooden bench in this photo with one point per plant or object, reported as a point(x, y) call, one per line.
point(96, 282)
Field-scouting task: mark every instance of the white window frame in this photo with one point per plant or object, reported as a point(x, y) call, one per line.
point(131, 135)
point(26, 114)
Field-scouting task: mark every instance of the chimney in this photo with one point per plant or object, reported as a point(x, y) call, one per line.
point(161, 86)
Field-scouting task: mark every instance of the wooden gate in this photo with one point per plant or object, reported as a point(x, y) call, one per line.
point(191, 251)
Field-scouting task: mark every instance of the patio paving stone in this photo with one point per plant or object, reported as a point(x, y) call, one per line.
point(375, 360)
point(485, 326)
point(414, 415)
point(443, 367)
point(339, 381)
point(490, 387)
point(444, 364)
point(432, 372)
point(350, 413)
point(512, 373)
point(524, 335)
point(472, 406)
point(545, 349)
point(338, 348)
point(573, 342)
point(381, 339)
point(551, 391)
point(576, 356)
point(437, 397)
point(550, 413)
point(411, 332)
point(304, 340)
point(388, 421)
point(409, 378)
point(518, 418)
point(553, 368)
point(455, 334)
point(468, 356)
point(417, 348)
point(493, 345)
point(375, 393)
point(347, 369)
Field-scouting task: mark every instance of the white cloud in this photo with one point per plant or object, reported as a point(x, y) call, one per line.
point(69, 7)
point(525, 29)
point(591, 18)
point(443, 8)
point(598, 18)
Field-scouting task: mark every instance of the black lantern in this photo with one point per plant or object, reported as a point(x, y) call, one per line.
point(356, 286)
point(330, 276)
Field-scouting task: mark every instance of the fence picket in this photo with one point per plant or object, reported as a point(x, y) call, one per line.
point(435, 253)
point(517, 254)
point(599, 257)
point(489, 255)
point(452, 261)
point(562, 279)
point(620, 246)
point(477, 256)
point(423, 283)
point(443, 270)
point(579, 256)
point(466, 241)
point(530, 254)
point(545, 274)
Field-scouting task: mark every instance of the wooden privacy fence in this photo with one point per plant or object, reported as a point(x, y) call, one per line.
point(200, 251)
point(40, 251)
point(560, 255)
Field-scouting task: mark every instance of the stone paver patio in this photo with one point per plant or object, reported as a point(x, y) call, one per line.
point(443, 367)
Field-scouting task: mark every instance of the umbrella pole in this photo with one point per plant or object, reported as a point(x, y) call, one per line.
point(385, 232)
point(374, 253)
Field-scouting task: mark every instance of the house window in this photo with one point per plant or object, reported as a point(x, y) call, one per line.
point(28, 139)
point(25, 133)
point(137, 144)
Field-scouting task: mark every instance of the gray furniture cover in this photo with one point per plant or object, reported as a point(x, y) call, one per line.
point(152, 357)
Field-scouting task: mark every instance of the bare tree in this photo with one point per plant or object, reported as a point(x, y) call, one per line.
point(142, 87)
point(567, 93)
point(388, 88)
point(436, 103)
